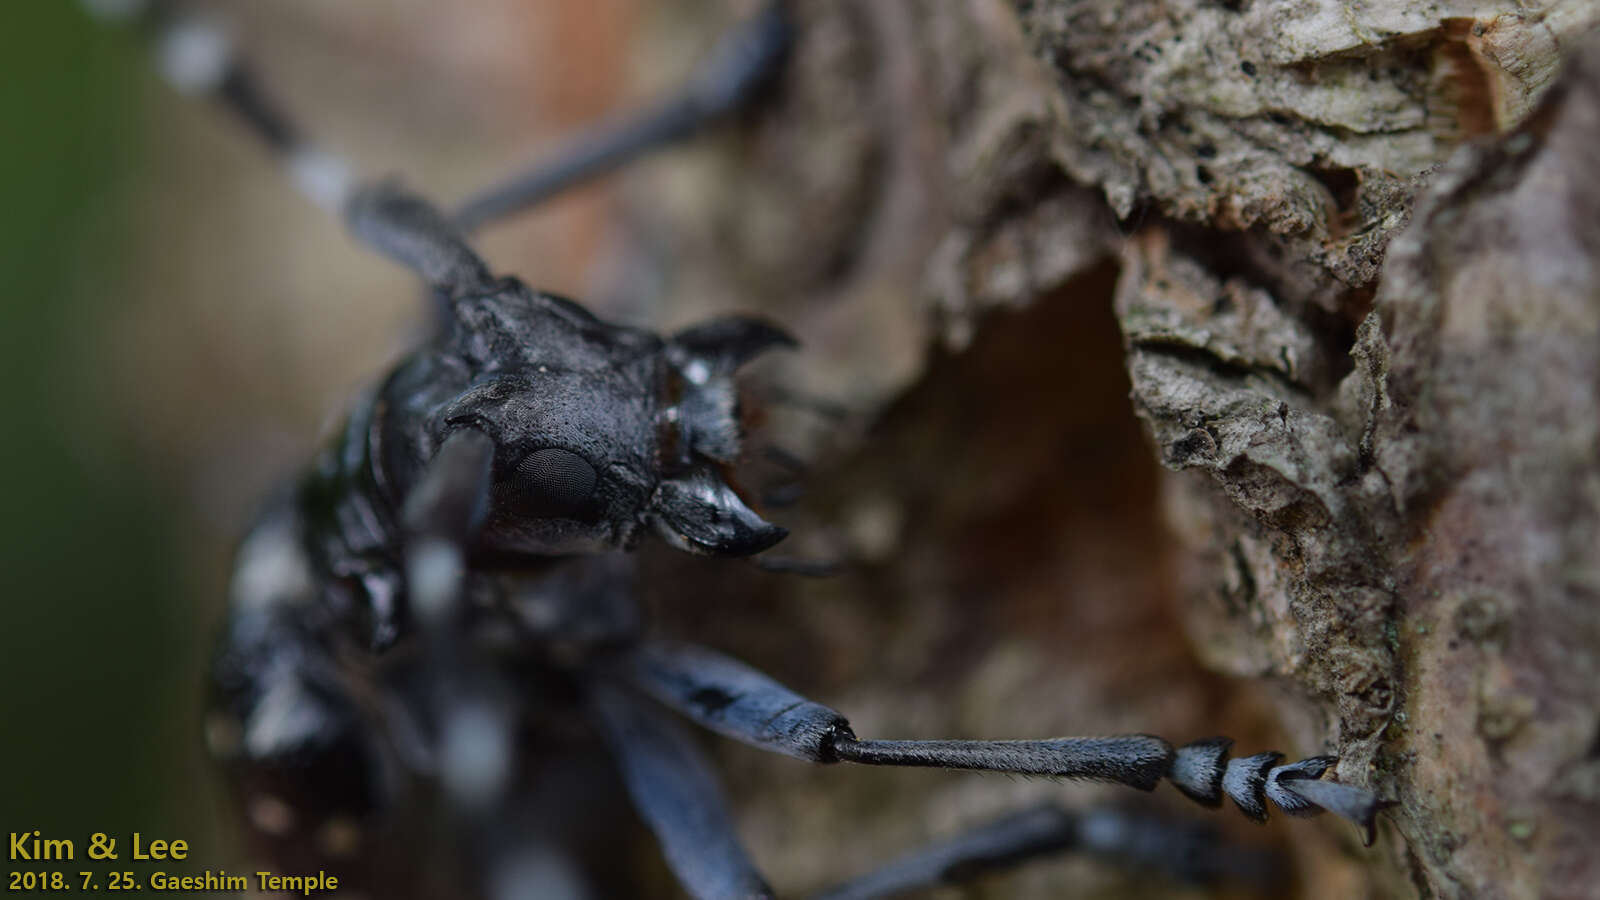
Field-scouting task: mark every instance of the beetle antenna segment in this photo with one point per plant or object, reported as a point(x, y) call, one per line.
point(738, 71)
point(409, 230)
point(677, 795)
point(197, 57)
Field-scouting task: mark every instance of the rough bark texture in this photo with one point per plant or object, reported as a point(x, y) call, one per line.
point(1381, 369)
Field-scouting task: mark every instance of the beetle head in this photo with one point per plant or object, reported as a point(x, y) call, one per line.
point(601, 429)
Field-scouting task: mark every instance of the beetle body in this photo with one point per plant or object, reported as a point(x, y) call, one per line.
point(324, 707)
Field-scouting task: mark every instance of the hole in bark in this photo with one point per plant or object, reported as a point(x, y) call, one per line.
point(1344, 187)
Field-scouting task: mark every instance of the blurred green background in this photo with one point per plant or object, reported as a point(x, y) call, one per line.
point(98, 636)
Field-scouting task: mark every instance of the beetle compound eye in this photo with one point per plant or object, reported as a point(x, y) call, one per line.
point(554, 482)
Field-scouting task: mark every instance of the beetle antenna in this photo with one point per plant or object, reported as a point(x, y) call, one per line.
point(197, 56)
point(737, 72)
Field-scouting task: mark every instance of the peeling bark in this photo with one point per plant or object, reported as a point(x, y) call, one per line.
point(1440, 502)
point(1361, 316)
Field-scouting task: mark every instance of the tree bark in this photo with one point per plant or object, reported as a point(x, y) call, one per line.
point(1352, 255)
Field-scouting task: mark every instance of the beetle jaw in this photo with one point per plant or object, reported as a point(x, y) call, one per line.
point(693, 507)
point(698, 512)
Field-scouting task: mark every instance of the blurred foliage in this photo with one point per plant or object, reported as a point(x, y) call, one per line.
point(98, 654)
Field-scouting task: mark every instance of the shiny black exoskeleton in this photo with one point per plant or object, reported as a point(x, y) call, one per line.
point(599, 433)
point(441, 613)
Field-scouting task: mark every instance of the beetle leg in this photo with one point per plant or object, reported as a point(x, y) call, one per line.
point(441, 516)
point(729, 697)
point(733, 699)
point(1182, 850)
point(197, 57)
point(285, 717)
point(740, 66)
point(677, 795)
